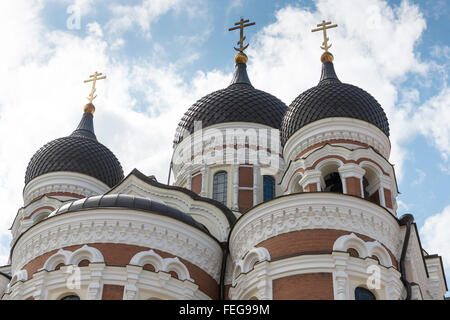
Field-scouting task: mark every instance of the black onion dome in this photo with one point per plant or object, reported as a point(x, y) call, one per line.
point(332, 98)
point(80, 152)
point(239, 102)
point(128, 202)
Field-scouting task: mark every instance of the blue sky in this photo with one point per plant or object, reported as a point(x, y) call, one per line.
point(161, 56)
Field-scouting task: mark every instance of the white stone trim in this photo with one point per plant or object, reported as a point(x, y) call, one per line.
point(336, 128)
point(124, 227)
point(209, 215)
point(73, 257)
point(345, 271)
point(254, 256)
point(231, 139)
point(303, 164)
point(161, 264)
point(313, 211)
point(52, 285)
point(365, 249)
point(63, 181)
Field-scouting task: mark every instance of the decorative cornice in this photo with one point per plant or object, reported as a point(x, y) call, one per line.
point(336, 128)
point(313, 210)
point(119, 226)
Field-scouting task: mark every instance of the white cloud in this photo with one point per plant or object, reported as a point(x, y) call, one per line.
point(43, 94)
point(435, 237)
point(125, 17)
point(373, 48)
point(420, 177)
point(141, 102)
point(433, 121)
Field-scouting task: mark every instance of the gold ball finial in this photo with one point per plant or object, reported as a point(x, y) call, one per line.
point(89, 108)
point(327, 57)
point(241, 58)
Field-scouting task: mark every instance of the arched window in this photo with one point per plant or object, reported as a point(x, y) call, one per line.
point(268, 188)
point(333, 183)
point(71, 297)
point(353, 252)
point(364, 294)
point(83, 263)
point(220, 187)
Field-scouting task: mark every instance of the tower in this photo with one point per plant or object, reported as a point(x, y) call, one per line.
point(227, 145)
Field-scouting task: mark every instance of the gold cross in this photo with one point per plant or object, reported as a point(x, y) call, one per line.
point(324, 26)
point(94, 79)
point(241, 25)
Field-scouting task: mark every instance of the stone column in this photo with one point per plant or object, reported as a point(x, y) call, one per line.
point(340, 276)
point(203, 173)
point(256, 174)
point(235, 206)
point(351, 176)
point(130, 291)
point(311, 181)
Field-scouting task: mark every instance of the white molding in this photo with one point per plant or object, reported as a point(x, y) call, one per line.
point(314, 158)
point(246, 264)
point(124, 227)
point(161, 264)
point(340, 265)
point(227, 131)
point(209, 215)
point(336, 128)
point(365, 249)
point(63, 181)
point(73, 257)
point(53, 285)
point(314, 211)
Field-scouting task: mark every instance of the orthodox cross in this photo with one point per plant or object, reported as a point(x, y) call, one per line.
point(241, 25)
point(95, 77)
point(323, 27)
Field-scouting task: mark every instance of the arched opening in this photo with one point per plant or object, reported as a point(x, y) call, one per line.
point(83, 263)
point(268, 188)
point(370, 182)
point(59, 266)
point(363, 294)
point(71, 297)
point(375, 258)
point(220, 187)
point(149, 267)
point(173, 274)
point(353, 252)
point(333, 182)
point(331, 178)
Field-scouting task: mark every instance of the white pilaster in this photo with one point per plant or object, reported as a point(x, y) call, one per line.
point(235, 187)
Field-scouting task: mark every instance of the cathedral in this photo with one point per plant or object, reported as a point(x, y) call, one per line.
point(268, 201)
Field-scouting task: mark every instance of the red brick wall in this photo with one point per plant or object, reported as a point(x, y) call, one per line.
point(388, 198)
point(312, 187)
point(245, 200)
point(375, 197)
point(196, 184)
point(309, 286)
point(245, 177)
point(112, 292)
point(121, 254)
point(312, 241)
point(353, 186)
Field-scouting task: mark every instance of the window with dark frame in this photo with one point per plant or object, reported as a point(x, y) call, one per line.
point(268, 188)
point(220, 187)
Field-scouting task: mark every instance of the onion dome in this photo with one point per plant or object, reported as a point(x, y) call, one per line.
point(332, 98)
point(239, 102)
point(128, 202)
point(80, 152)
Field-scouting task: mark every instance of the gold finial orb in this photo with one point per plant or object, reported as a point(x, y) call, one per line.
point(89, 108)
point(327, 57)
point(241, 58)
